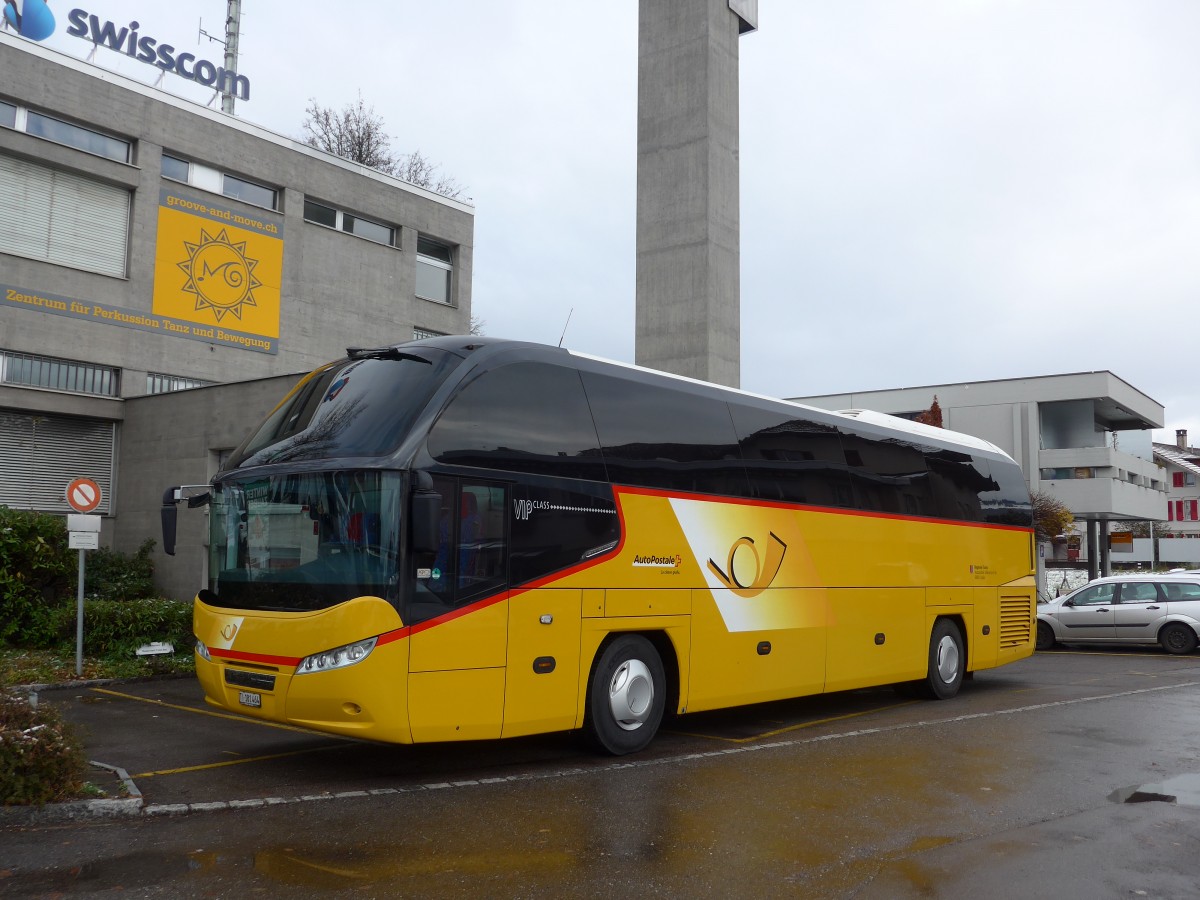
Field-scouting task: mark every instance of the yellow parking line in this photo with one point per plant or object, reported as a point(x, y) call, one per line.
point(341, 741)
point(232, 762)
point(216, 715)
point(797, 727)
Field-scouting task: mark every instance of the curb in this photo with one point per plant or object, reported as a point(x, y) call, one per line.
point(76, 810)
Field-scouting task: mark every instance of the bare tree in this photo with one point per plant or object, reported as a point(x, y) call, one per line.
point(416, 169)
point(356, 132)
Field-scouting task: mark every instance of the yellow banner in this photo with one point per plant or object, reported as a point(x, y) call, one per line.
point(210, 271)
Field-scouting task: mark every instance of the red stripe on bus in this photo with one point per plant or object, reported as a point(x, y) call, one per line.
point(241, 656)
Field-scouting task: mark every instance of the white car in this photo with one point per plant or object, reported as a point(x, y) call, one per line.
point(1126, 609)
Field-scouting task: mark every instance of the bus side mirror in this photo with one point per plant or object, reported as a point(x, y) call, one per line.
point(426, 515)
point(170, 513)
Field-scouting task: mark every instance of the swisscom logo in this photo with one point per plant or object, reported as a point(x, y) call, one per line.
point(29, 18)
point(32, 19)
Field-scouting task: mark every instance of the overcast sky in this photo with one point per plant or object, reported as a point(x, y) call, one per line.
point(933, 191)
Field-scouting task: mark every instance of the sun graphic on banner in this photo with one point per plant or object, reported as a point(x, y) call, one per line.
point(220, 274)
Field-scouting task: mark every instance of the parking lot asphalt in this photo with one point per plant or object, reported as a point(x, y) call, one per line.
point(159, 749)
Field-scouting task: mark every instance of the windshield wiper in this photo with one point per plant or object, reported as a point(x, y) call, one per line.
point(384, 353)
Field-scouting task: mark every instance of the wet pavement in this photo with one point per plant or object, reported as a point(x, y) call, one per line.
point(1028, 784)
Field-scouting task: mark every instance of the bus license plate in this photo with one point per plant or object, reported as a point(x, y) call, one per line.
point(249, 698)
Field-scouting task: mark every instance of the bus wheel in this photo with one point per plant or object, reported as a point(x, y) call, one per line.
point(947, 661)
point(1178, 638)
point(626, 696)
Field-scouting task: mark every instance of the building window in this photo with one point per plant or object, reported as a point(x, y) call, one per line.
point(8, 115)
point(249, 192)
point(209, 179)
point(63, 218)
point(434, 268)
point(76, 136)
point(364, 228)
point(175, 168)
point(40, 452)
point(419, 334)
point(320, 214)
point(58, 374)
point(157, 383)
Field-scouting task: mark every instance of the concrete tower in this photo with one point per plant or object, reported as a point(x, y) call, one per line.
point(688, 294)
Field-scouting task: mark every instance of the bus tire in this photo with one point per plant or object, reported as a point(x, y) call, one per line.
point(626, 696)
point(947, 661)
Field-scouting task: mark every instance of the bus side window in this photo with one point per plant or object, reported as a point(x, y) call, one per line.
point(482, 541)
point(435, 572)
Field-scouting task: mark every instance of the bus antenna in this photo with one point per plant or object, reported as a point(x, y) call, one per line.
point(565, 324)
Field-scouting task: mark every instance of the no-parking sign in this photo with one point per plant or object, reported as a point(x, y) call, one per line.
point(83, 495)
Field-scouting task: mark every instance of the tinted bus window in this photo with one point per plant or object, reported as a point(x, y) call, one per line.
point(559, 524)
point(524, 417)
point(360, 408)
point(660, 437)
point(792, 459)
point(1007, 502)
point(957, 480)
point(888, 474)
point(470, 562)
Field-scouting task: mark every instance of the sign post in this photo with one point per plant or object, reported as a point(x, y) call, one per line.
point(83, 534)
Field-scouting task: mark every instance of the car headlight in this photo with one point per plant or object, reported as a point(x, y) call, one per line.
point(202, 651)
point(337, 658)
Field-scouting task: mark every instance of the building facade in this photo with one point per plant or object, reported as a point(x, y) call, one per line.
point(1081, 438)
point(1177, 538)
point(150, 244)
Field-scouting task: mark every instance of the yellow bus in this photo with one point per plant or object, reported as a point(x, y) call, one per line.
point(465, 538)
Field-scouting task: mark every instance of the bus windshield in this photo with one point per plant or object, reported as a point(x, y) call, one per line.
point(304, 541)
point(359, 407)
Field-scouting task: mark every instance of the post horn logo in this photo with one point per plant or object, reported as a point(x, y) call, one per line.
point(29, 18)
point(228, 631)
point(765, 569)
point(220, 274)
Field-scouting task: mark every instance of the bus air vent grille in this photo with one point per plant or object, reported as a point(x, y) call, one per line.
point(1016, 620)
point(255, 680)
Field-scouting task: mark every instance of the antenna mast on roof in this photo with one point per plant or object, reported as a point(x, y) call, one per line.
point(233, 28)
point(565, 324)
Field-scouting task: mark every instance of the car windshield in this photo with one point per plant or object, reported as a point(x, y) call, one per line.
point(304, 541)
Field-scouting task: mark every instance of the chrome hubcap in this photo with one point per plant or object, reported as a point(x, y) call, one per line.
point(947, 659)
point(631, 694)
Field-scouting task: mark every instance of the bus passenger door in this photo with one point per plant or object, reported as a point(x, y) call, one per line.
point(542, 688)
point(459, 618)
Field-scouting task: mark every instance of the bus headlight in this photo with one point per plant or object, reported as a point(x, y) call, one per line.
point(202, 651)
point(337, 658)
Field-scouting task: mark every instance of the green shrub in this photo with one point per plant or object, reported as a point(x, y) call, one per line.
point(112, 575)
point(36, 569)
point(119, 627)
point(41, 758)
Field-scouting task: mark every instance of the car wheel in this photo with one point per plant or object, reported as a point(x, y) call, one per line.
point(626, 696)
point(1177, 638)
point(947, 661)
point(1045, 636)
